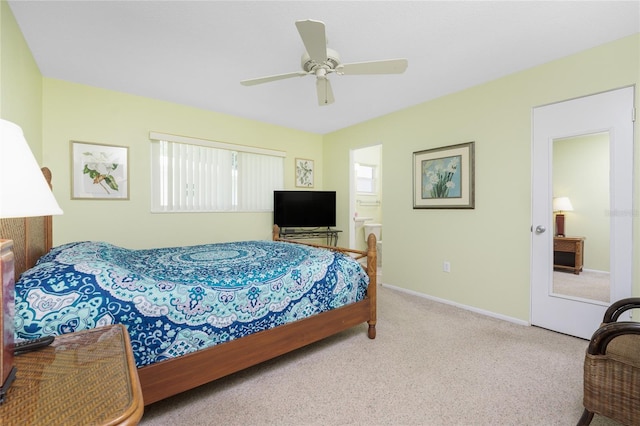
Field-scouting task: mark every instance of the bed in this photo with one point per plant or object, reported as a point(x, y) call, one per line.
point(214, 346)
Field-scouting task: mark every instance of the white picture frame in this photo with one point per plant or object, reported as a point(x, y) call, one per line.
point(304, 173)
point(99, 171)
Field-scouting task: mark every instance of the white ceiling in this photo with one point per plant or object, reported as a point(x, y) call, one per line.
point(196, 52)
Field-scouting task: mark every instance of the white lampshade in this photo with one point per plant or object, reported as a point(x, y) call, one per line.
point(562, 204)
point(24, 191)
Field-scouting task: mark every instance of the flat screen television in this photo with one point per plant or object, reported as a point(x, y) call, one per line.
point(304, 209)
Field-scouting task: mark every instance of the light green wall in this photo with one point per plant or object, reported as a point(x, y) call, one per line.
point(489, 247)
point(82, 113)
point(20, 82)
point(581, 172)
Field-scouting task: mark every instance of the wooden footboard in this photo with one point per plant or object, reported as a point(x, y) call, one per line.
point(32, 239)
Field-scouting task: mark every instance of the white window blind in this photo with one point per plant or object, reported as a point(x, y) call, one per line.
point(258, 176)
point(195, 175)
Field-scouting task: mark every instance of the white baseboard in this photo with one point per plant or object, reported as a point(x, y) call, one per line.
point(459, 305)
point(596, 271)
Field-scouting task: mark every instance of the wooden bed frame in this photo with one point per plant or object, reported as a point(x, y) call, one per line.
point(32, 239)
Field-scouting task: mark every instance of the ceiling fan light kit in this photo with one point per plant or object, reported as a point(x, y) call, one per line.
point(331, 61)
point(320, 61)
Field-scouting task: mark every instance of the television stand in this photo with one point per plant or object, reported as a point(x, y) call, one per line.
point(330, 235)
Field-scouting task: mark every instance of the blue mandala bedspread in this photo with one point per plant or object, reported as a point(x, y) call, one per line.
point(178, 300)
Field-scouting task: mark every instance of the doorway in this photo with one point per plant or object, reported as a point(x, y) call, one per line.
point(365, 196)
point(565, 126)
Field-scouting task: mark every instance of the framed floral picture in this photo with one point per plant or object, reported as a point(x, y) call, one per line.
point(304, 173)
point(99, 171)
point(443, 178)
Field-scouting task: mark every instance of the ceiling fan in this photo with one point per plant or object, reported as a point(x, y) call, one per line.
point(321, 61)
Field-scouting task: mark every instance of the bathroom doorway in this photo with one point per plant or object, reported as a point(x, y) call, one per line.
point(366, 197)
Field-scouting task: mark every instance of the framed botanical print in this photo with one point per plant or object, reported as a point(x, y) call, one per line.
point(443, 178)
point(99, 171)
point(304, 173)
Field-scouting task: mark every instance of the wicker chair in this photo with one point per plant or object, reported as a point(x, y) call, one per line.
point(612, 368)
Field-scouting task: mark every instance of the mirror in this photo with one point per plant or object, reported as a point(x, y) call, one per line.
point(581, 173)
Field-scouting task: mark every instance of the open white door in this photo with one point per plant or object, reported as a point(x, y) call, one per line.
point(609, 112)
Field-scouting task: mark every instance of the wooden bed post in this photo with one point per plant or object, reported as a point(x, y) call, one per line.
point(32, 236)
point(372, 290)
point(48, 220)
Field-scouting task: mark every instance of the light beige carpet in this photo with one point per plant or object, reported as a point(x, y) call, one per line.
point(591, 285)
point(431, 364)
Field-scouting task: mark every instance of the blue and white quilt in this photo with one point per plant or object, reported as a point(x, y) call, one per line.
point(178, 300)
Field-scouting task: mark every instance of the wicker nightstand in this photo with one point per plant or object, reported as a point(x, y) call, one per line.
point(84, 378)
point(568, 253)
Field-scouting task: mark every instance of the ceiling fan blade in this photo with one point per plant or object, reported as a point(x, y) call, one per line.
point(389, 66)
point(314, 39)
point(276, 77)
point(325, 94)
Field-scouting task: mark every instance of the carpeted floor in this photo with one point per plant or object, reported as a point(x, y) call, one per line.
point(592, 285)
point(431, 364)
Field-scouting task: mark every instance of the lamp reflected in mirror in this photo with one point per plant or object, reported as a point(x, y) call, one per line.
point(561, 205)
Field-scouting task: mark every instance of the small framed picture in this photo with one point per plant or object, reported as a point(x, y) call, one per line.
point(443, 178)
point(304, 173)
point(99, 171)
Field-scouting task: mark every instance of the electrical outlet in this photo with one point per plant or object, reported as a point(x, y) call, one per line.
point(446, 266)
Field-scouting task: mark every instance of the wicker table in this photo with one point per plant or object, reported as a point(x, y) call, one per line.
point(84, 378)
point(568, 253)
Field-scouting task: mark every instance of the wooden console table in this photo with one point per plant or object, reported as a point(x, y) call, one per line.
point(568, 253)
point(83, 378)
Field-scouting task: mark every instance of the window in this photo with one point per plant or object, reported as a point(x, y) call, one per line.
point(365, 179)
point(195, 175)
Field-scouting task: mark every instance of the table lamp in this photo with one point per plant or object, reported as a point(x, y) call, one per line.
point(24, 192)
point(560, 205)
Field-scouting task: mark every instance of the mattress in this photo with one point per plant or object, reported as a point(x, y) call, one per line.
point(178, 300)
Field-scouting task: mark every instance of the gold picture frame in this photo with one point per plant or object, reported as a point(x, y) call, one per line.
point(443, 178)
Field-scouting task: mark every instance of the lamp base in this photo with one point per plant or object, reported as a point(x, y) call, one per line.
point(7, 279)
point(560, 225)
